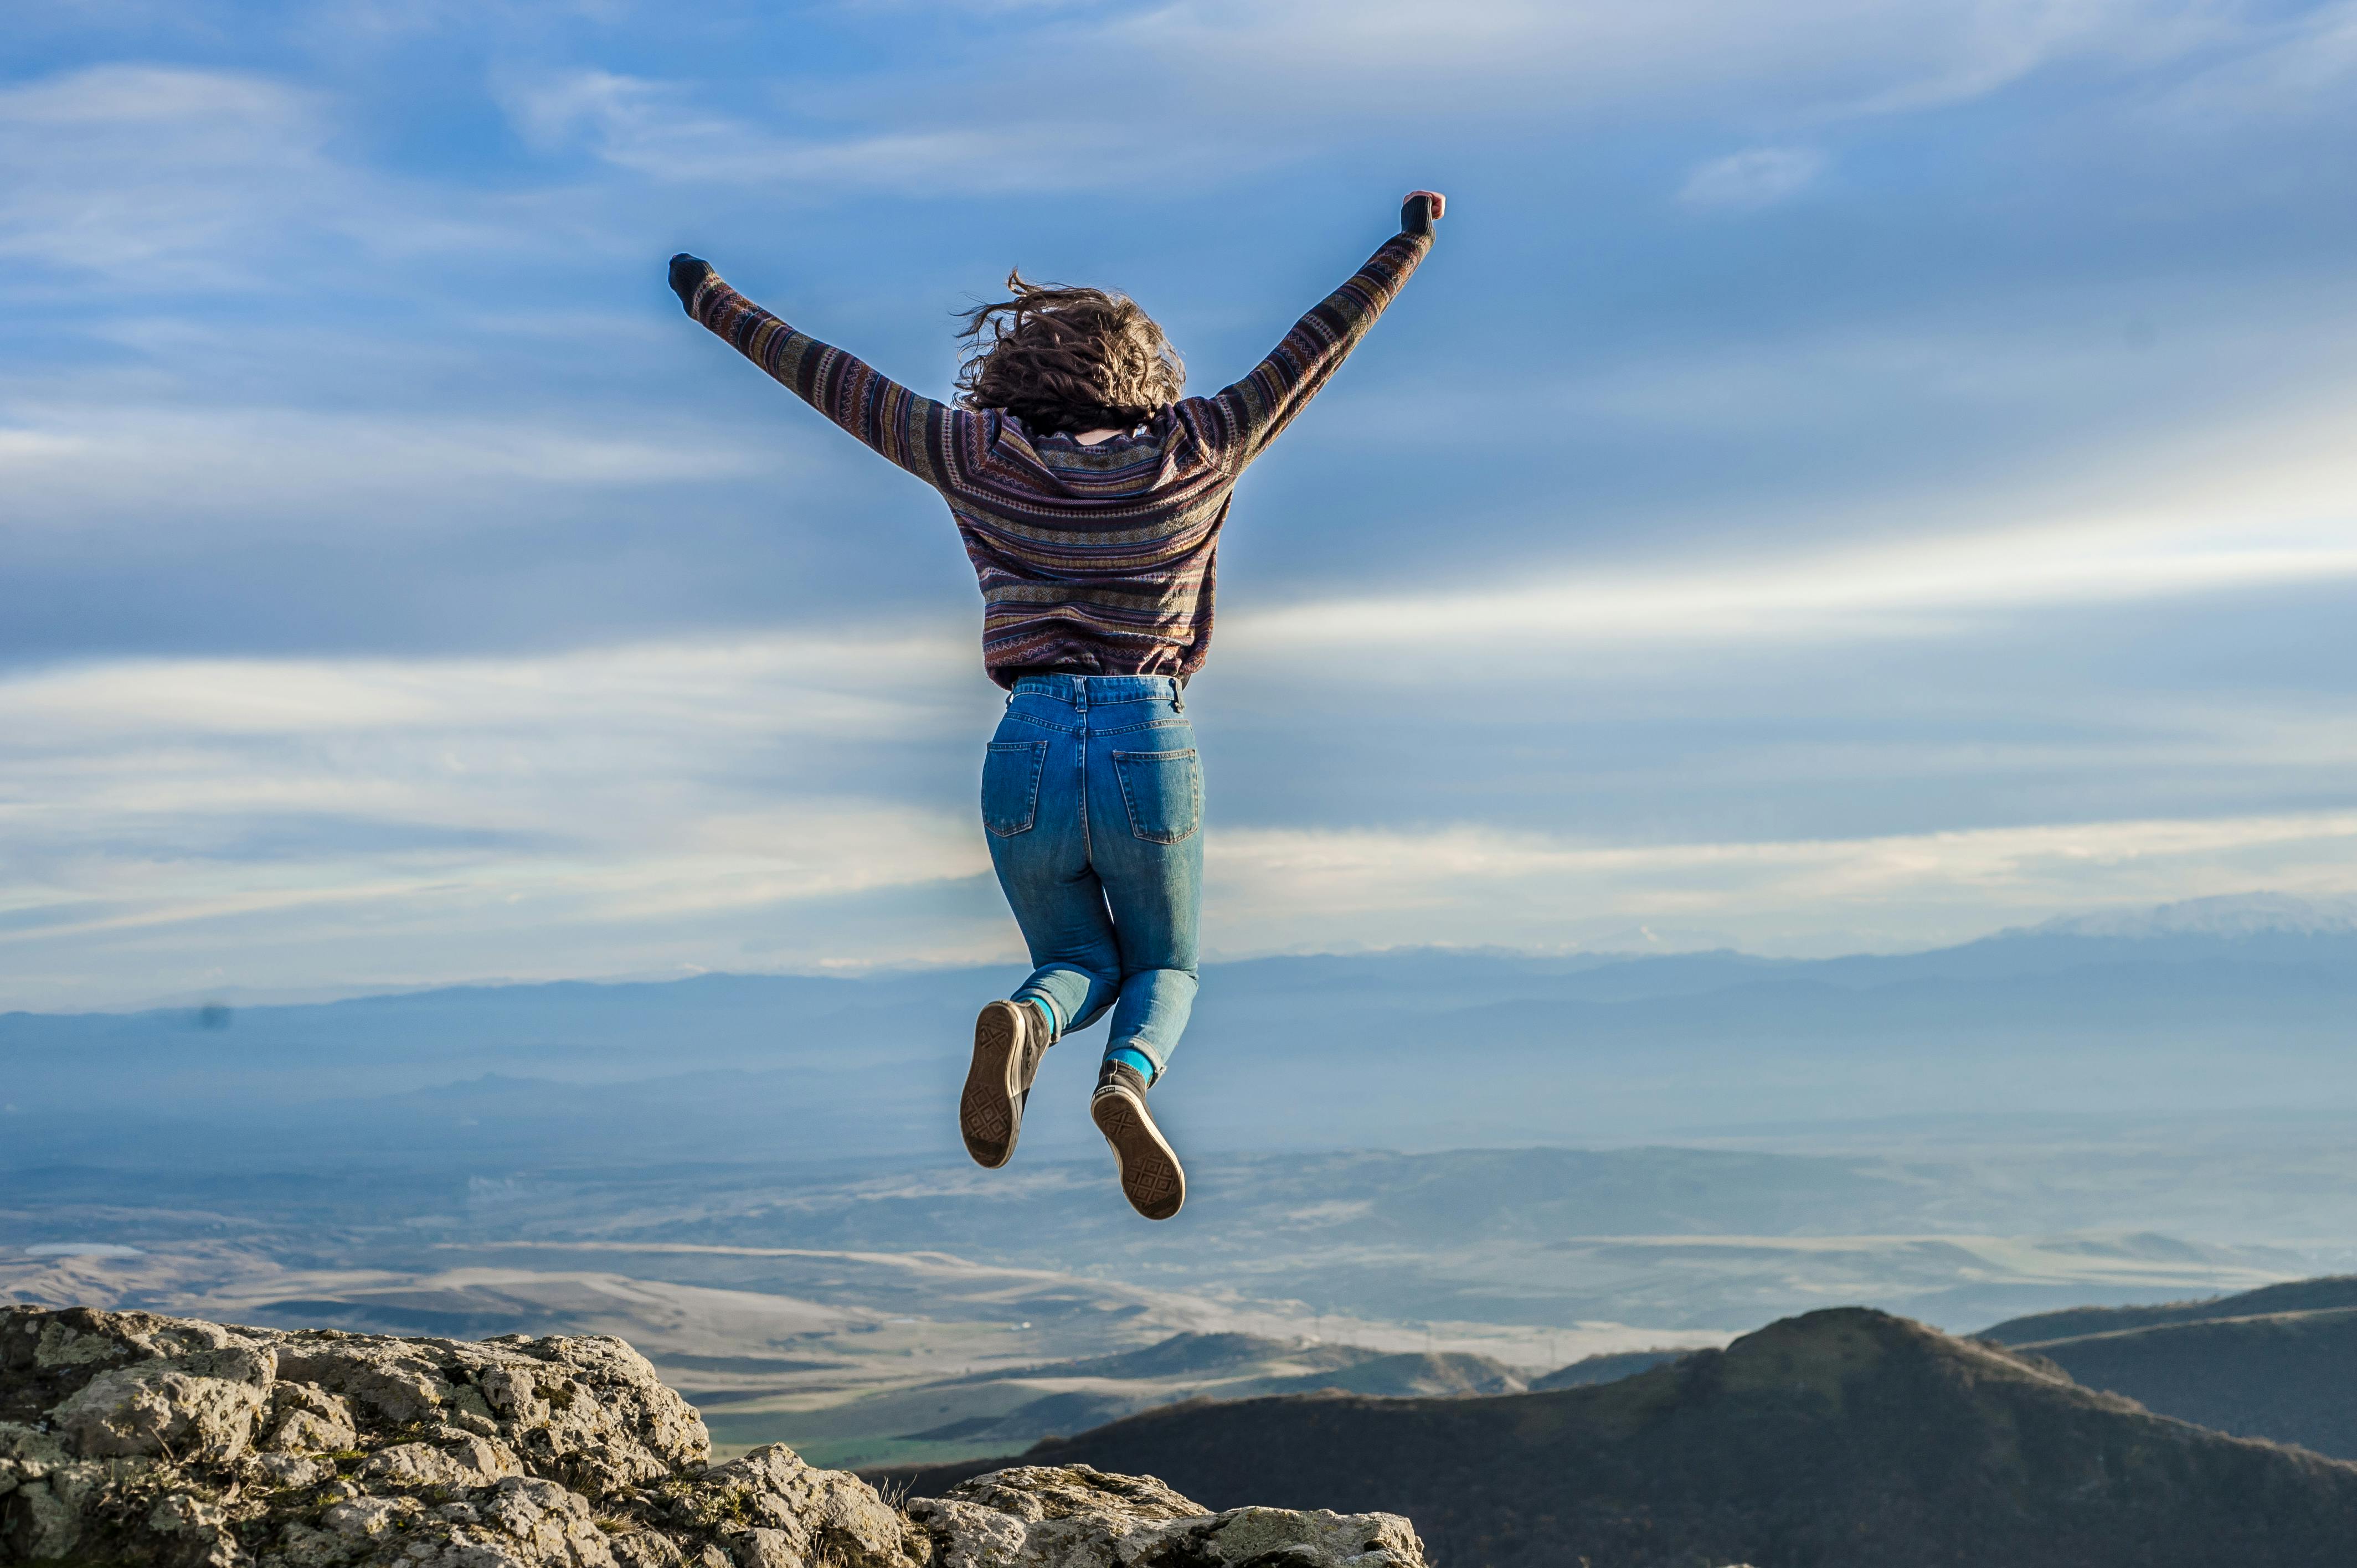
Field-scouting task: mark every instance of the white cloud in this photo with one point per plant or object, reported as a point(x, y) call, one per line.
point(168, 178)
point(1989, 46)
point(176, 177)
point(1813, 59)
point(1748, 181)
point(797, 801)
point(389, 819)
point(1123, 93)
point(158, 172)
point(2254, 508)
point(310, 821)
point(621, 698)
point(663, 131)
point(1470, 885)
point(1881, 591)
point(187, 460)
point(2292, 66)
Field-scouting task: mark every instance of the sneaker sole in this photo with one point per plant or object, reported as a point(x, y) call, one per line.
point(1151, 1177)
point(990, 1111)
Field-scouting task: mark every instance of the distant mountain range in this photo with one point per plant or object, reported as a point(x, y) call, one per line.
point(1698, 1242)
point(1085, 1394)
point(1841, 1439)
point(2280, 1362)
point(1274, 1366)
point(2239, 915)
point(2329, 1294)
point(1421, 1136)
point(1590, 1370)
point(2187, 1008)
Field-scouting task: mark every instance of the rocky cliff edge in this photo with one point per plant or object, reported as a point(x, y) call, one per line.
point(131, 1438)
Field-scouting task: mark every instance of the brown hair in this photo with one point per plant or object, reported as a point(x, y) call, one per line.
point(1068, 359)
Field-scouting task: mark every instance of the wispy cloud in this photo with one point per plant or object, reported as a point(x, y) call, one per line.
point(1930, 589)
point(2280, 509)
point(72, 464)
point(1098, 97)
point(1850, 570)
point(1816, 60)
point(661, 130)
point(164, 812)
point(1985, 47)
point(161, 172)
point(1747, 181)
point(2291, 63)
point(171, 179)
point(798, 802)
point(1813, 896)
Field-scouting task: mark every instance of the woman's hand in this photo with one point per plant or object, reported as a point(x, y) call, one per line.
point(687, 275)
point(1421, 211)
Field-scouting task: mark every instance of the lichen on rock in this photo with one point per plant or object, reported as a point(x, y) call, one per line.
point(135, 1438)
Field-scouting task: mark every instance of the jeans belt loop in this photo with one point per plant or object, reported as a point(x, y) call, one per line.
point(1178, 696)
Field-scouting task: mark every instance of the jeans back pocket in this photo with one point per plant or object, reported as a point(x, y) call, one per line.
point(1010, 785)
point(1164, 792)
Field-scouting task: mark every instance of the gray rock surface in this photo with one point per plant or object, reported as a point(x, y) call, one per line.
point(128, 1438)
point(1044, 1516)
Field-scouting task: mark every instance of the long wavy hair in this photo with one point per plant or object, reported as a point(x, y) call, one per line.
point(1062, 359)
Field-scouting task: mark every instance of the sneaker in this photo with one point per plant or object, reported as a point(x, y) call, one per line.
point(1009, 1039)
point(1150, 1174)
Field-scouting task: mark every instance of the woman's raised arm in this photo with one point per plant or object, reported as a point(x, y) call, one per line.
point(1250, 414)
point(913, 431)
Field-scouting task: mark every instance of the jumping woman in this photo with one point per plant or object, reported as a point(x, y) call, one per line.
point(1090, 497)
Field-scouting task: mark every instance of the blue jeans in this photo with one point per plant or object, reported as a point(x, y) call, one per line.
point(1094, 800)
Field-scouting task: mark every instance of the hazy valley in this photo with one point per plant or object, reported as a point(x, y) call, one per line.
point(1526, 1162)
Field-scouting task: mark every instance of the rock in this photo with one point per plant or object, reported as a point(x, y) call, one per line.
point(553, 1524)
point(369, 1517)
point(202, 1529)
point(131, 1438)
point(817, 1515)
point(471, 1461)
point(287, 1470)
point(1043, 1516)
point(200, 1407)
point(306, 1419)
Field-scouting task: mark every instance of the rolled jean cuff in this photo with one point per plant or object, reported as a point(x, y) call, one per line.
point(1158, 1060)
point(1159, 1057)
point(1055, 1014)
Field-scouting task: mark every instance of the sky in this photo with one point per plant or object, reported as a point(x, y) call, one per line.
point(1851, 476)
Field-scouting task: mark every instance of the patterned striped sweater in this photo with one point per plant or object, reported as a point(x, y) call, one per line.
point(1092, 559)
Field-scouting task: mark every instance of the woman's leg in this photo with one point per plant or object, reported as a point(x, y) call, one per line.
point(1031, 805)
point(1146, 810)
point(1076, 958)
point(1142, 812)
point(1031, 808)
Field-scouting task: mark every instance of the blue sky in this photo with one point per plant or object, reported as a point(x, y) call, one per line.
point(1852, 475)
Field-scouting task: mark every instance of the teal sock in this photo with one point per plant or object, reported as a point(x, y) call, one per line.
point(1134, 1060)
point(1055, 1025)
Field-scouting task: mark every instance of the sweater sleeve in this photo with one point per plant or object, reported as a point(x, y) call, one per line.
point(913, 431)
point(1248, 415)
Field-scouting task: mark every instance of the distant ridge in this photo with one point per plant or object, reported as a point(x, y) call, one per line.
point(1843, 1439)
point(2274, 1363)
point(1427, 1372)
point(1183, 1355)
point(1590, 1370)
point(2228, 915)
point(2325, 1292)
point(2199, 1006)
point(1220, 1366)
